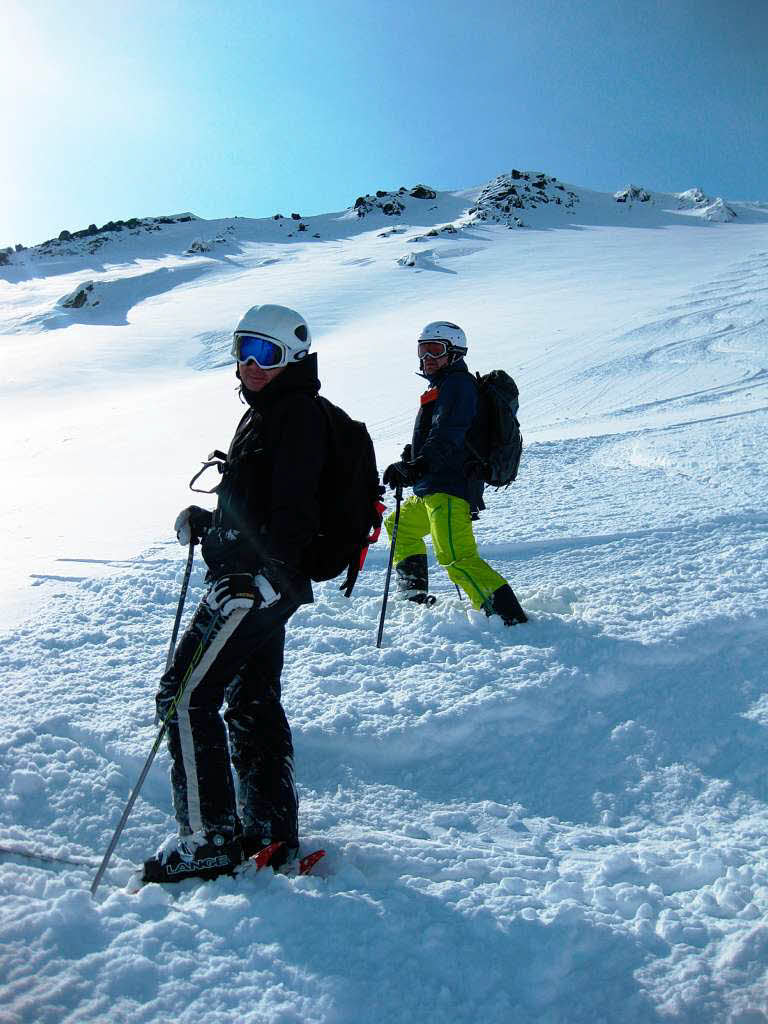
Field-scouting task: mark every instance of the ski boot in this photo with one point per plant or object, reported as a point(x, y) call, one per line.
point(196, 855)
point(503, 603)
point(413, 581)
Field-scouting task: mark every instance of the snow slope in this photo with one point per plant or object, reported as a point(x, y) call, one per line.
point(559, 823)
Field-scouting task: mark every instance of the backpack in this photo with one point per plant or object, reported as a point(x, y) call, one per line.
point(350, 502)
point(495, 437)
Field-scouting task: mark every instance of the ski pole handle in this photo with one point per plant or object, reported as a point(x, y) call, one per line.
point(398, 499)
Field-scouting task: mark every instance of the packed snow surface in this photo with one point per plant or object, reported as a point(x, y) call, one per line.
point(561, 822)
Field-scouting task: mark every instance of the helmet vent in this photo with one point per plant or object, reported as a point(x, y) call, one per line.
point(301, 332)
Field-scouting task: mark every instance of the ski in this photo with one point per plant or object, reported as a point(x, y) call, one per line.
point(307, 863)
point(291, 868)
point(46, 859)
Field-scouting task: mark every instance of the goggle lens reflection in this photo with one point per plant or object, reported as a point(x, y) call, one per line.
point(432, 348)
point(265, 353)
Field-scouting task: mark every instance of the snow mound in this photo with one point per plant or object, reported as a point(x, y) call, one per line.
point(718, 211)
point(425, 259)
point(699, 204)
point(109, 300)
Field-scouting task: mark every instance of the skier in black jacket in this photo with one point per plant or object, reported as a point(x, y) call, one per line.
point(267, 513)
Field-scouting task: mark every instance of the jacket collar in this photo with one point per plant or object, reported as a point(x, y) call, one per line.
point(298, 378)
point(458, 367)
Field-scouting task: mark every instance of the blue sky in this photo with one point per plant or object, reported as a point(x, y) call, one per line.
point(140, 108)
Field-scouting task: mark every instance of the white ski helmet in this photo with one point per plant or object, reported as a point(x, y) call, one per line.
point(279, 324)
point(453, 336)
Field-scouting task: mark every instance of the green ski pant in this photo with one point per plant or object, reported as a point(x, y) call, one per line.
point(449, 522)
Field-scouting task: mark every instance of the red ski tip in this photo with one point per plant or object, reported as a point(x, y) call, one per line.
point(307, 863)
point(265, 855)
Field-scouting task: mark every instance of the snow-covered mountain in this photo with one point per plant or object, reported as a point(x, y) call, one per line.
point(558, 823)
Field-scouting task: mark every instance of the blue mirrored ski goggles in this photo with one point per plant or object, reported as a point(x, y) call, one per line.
point(263, 351)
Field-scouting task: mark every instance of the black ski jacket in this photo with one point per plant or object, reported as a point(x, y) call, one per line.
point(268, 509)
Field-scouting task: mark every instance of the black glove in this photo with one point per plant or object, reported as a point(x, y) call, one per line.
point(406, 453)
point(403, 474)
point(191, 523)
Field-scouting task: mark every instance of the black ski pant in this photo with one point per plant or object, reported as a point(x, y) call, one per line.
point(237, 658)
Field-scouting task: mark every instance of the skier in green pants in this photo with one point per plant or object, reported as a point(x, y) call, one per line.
point(446, 492)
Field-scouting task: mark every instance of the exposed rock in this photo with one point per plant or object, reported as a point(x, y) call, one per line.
point(295, 216)
point(387, 203)
point(65, 236)
point(4, 258)
point(79, 297)
point(501, 197)
point(198, 246)
point(391, 204)
point(632, 194)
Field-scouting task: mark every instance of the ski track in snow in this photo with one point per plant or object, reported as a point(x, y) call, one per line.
point(562, 822)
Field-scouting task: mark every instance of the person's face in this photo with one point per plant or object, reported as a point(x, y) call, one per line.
point(433, 364)
point(254, 377)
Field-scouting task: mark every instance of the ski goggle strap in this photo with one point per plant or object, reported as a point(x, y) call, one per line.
point(264, 352)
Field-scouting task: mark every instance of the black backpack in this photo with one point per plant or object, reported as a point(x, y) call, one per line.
point(350, 501)
point(494, 438)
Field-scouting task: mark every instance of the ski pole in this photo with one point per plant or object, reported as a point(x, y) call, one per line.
point(398, 499)
point(182, 599)
point(156, 746)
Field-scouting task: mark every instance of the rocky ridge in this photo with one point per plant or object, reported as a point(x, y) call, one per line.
point(503, 201)
point(693, 201)
point(391, 203)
